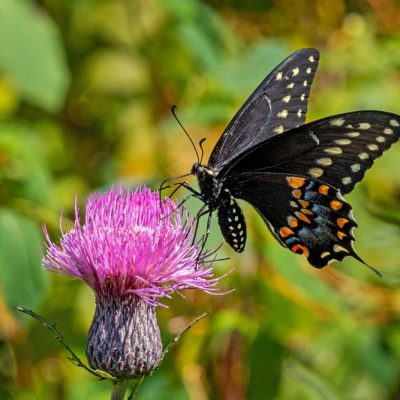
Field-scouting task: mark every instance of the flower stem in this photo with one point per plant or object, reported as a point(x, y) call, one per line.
point(119, 390)
point(135, 389)
point(181, 333)
point(60, 339)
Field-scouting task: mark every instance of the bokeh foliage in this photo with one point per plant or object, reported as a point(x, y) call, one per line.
point(86, 88)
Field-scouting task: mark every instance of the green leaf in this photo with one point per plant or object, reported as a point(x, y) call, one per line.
point(25, 173)
point(31, 53)
point(22, 281)
point(304, 383)
point(311, 285)
point(244, 74)
point(265, 363)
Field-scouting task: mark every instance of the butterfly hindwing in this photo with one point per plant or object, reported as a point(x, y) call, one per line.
point(278, 104)
point(307, 216)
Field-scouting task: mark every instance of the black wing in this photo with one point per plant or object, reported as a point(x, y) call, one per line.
point(337, 150)
point(306, 216)
point(278, 104)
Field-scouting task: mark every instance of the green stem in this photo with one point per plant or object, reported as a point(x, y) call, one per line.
point(52, 327)
point(135, 389)
point(119, 390)
point(183, 331)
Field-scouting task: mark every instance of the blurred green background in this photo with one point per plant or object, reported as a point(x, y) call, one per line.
point(86, 88)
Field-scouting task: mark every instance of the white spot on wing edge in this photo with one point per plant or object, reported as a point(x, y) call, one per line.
point(295, 71)
point(278, 76)
point(337, 122)
point(286, 99)
point(324, 161)
point(373, 147)
point(333, 150)
point(315, 172)
point(282, 114)
point(353, 134)
point(343, 141)
point(355, 167)
point(364, 125)
point(346, 180)
point(394, 122)
point(279, 129)
point(314, 137)
point(338, 248)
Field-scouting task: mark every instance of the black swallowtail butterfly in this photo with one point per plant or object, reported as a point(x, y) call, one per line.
point(294, 175)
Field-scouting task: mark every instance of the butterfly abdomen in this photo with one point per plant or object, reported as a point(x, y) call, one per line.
point(231, 221)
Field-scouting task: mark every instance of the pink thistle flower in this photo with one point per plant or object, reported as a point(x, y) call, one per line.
point(132, 250)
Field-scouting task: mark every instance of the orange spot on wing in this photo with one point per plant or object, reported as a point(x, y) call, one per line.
point(304, 203)
point(341, 235)
point(300, 249)
point(293, 222)
point(336, 205)
point(342, 222)
point(296, 193)
point(296, 182)
point(301, 216)
point(305, 211)
point(285, 232)
point(323, 189)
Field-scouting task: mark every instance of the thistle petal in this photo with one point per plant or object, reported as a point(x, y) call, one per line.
point(131, 243)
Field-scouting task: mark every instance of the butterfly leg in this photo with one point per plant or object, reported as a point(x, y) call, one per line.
point(180, 204)
point(200, 213)
point(177, 186)
point(162, 187)
point(204, 238)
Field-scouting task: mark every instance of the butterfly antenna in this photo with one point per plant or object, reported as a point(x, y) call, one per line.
point(201, 148)
point(184, 130)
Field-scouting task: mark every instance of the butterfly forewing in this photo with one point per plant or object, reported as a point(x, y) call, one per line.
point(347, 146)
point(337, 150)
point(278, 104)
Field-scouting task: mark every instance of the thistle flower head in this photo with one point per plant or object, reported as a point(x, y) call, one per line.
point(131, 243)
point(132, 250)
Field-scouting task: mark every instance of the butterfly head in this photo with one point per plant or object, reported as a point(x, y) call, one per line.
point(200, 170)
point(197, 169)
point(210, 186)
